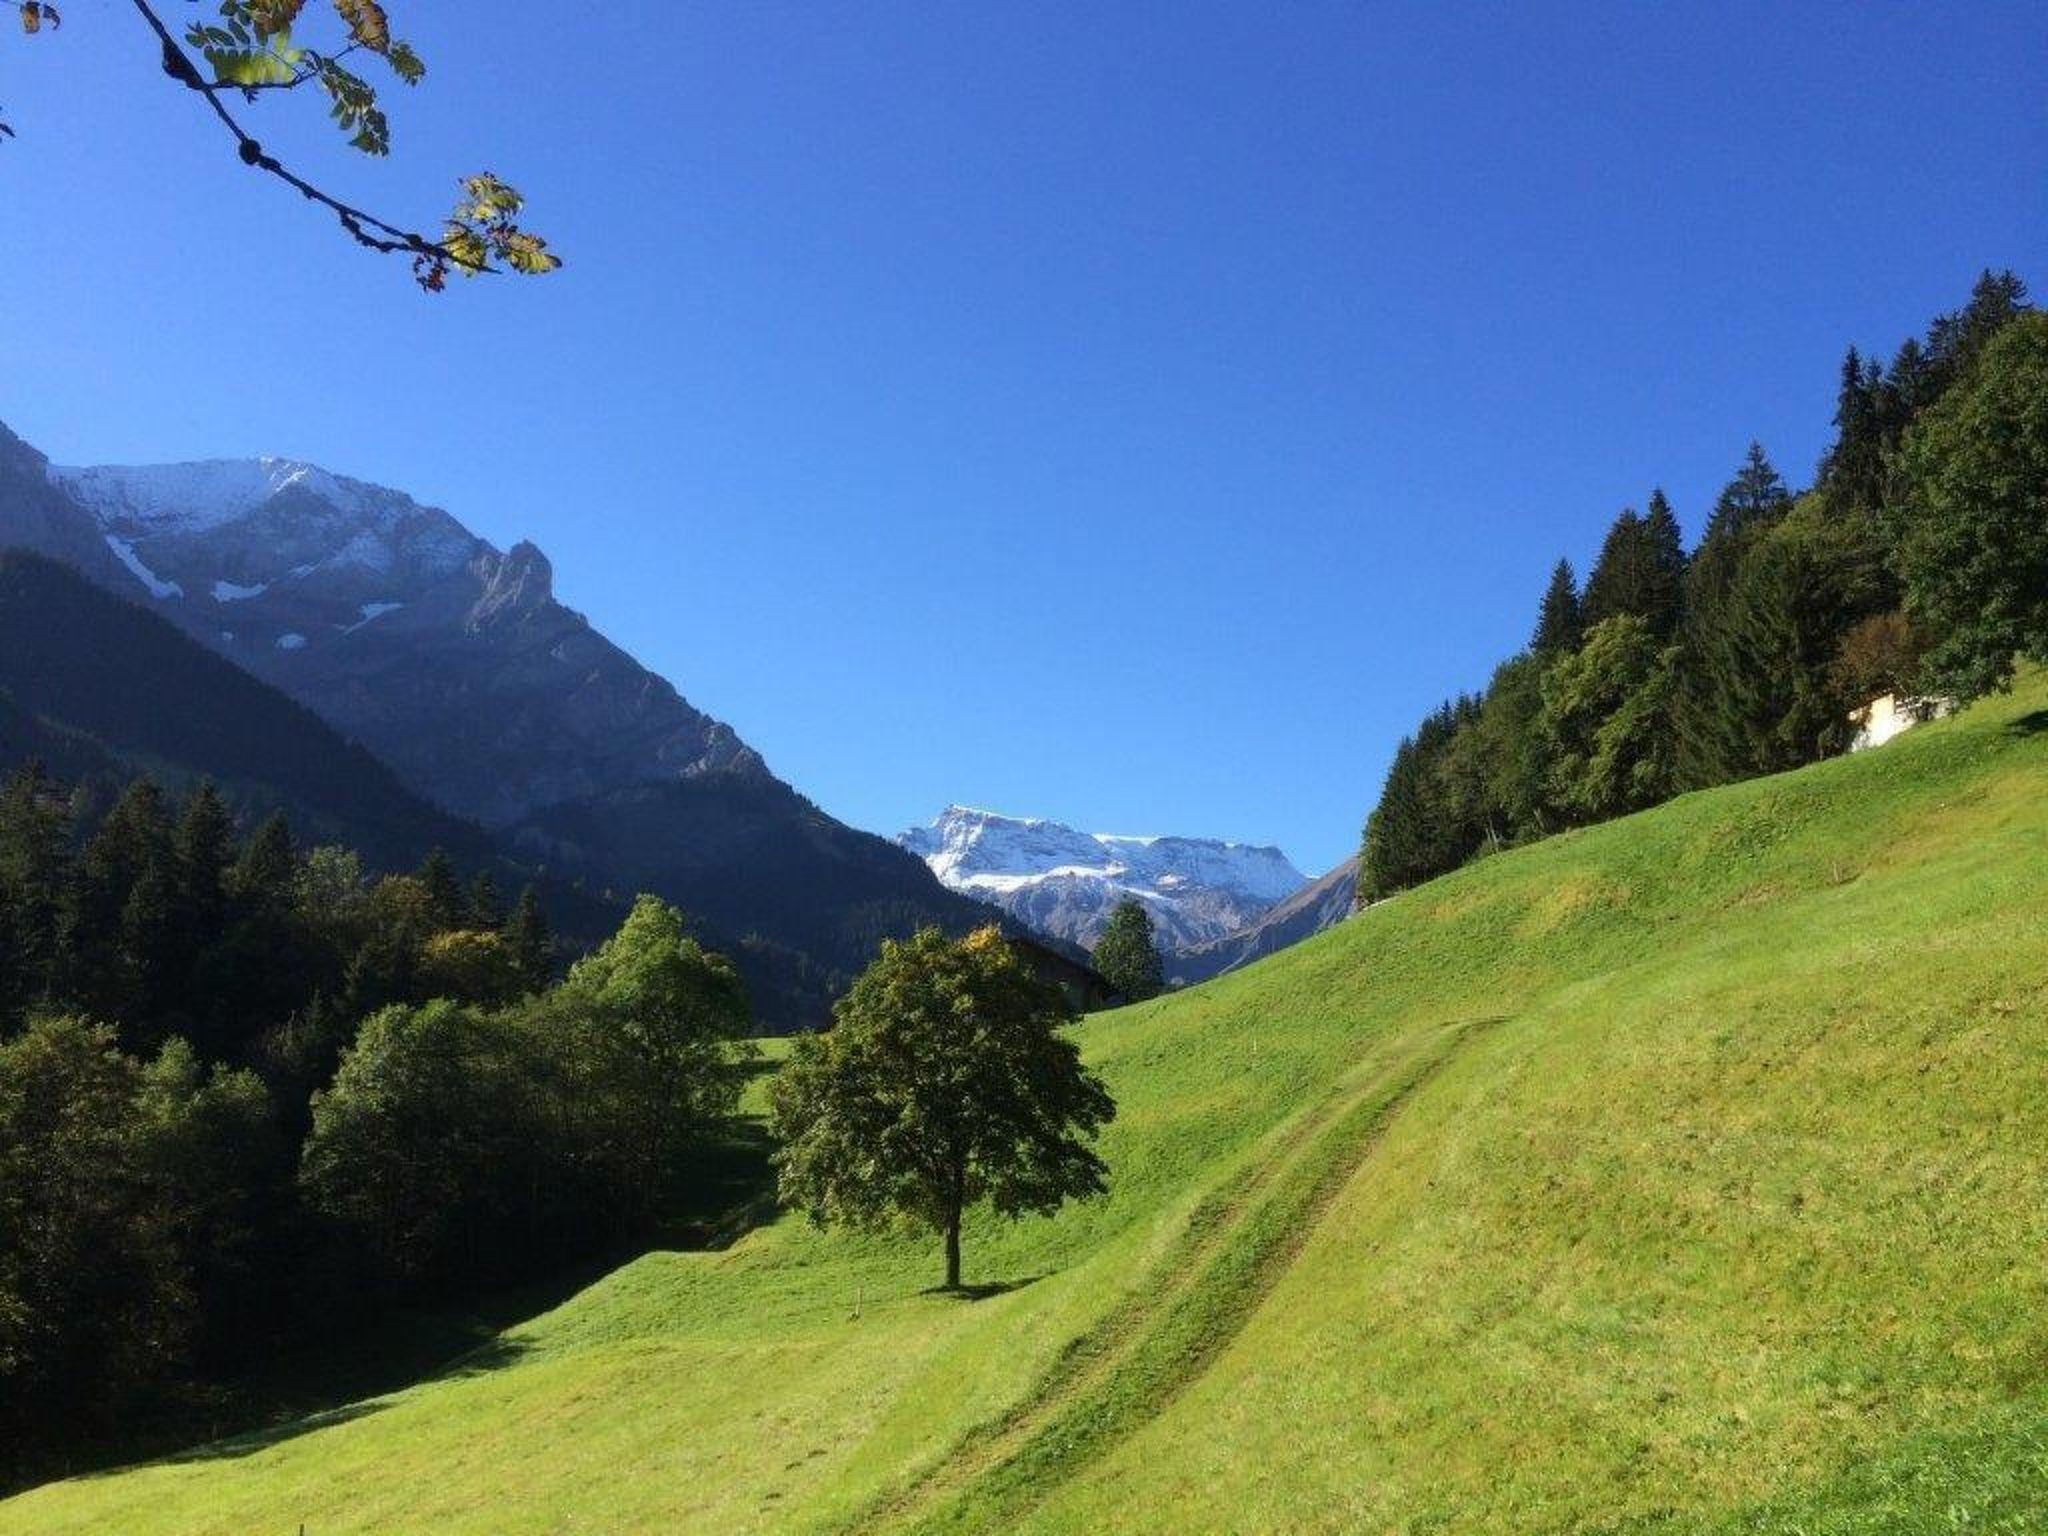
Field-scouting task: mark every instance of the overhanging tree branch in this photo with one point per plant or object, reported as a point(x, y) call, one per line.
point(251, 50)
point(365, 228)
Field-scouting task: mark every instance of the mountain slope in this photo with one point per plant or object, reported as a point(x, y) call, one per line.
point(1316, 906)
point(96, 686)
point(1065, 883)
point(453, 662)
point(450, 659)
point(1681, 1175)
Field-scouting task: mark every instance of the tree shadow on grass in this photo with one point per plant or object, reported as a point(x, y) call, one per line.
point(726, 1190)
point(2031, 724)
point(983, 1290)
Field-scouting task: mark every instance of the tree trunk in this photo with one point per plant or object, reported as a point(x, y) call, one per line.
point(953, 1250)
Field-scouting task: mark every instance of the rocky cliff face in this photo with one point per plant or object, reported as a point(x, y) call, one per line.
point(449, 658)
point(1065, 883)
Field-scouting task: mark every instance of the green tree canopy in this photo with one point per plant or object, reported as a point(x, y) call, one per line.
point(1127, 954)
point(1604, 717)
point(945, 1082)
point(1972, 515)
point(661, 1024)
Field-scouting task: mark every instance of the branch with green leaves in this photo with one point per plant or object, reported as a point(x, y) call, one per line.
point(254, 47)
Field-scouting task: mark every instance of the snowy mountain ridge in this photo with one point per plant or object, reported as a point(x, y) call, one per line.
point(1066, 882)
point(206, 493)
point(395, 623)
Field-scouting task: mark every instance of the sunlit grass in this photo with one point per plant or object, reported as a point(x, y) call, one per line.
point(1683, 1175)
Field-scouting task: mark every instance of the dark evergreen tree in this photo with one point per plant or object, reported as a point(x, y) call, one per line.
point(1127, 954)
point(1664, 550)
point(35, 874)
point(1777, 696)
point(1972, 519)
point(1425, 822)
point(1710, 745)
point(1754, 498)
point(446, 908)
point(267, 963)
point(484, 908)
point(205, 848)
point(132, 842)
point(532, 941)
point(1641, 571)
point(157, 940)
point(1557, 621)
point(1954, 341)
point(262, 884)
point(1854, 469)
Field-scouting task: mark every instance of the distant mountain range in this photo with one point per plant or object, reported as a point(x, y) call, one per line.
point(1065, 883)
point(452, 662)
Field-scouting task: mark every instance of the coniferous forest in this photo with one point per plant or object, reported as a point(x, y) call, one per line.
point(250, 1094)
point(1912, 565)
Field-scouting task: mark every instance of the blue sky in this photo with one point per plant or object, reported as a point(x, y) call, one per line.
point(1134, 414)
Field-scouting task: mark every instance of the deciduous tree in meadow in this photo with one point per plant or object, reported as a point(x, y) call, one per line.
point(945, 1082)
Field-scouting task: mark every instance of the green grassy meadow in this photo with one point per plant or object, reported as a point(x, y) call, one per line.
point(1687, 1174)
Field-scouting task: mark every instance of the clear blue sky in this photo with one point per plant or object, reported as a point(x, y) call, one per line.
point(1134, 414)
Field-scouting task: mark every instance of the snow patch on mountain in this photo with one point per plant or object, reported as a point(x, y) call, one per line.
point(234, 592)
point(158, 587)
point(1066, 882)
point(369, 611)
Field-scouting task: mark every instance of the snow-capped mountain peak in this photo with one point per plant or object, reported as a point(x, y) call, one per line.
point(387, 616)
point(1066, 882)
point(207, 493)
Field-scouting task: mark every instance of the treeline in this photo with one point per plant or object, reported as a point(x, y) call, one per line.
point(1917, 563)
point(248, 1092)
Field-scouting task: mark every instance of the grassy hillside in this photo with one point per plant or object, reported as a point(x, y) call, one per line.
point(1684, 1175)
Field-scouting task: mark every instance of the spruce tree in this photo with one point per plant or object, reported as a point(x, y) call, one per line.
point(1641, 571)
point(1127, 954)
point(1972, 520)
point(486, 911)
point(446, 908)
point(1854, 469)
point(1425, 823)
point(1557, 620)
point(532, 942)
point(1710, 750)
point(1664, 568)
point(205, 848)
point(132, 842)
point(1777, 699)
point(266, 874)
point(35, 875)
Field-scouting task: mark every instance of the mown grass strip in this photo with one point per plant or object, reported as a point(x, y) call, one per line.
point(1123, 1372)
